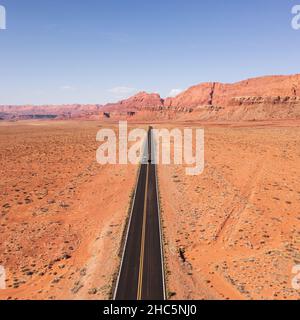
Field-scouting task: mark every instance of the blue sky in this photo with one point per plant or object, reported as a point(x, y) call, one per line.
point(95, 51)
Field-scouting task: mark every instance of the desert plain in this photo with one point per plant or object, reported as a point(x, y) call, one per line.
point(230, 233)
point(233, 231)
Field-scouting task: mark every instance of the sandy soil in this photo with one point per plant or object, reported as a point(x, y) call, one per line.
point(62, 214)
point(233, 231)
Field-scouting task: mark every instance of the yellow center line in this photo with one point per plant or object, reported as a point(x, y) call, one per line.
point(140, 283)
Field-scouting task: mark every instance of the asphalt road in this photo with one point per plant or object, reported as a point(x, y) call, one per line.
point(141, 274)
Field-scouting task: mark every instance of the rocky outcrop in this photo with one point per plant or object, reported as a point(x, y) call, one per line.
point(140, 101)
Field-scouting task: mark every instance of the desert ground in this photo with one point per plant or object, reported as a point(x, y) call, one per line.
point(62, 214)
point(233, 231)
point(230, 233)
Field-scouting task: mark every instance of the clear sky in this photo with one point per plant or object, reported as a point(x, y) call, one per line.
point(95, 51)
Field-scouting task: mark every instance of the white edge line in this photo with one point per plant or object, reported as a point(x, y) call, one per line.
point(127, 232)
point(160, 230)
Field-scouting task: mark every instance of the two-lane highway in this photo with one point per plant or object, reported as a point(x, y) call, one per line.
point(141, 275)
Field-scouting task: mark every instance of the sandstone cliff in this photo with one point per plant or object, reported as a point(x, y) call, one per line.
point(264, 98)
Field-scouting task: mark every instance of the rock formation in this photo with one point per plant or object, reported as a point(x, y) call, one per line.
point(264, 98)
